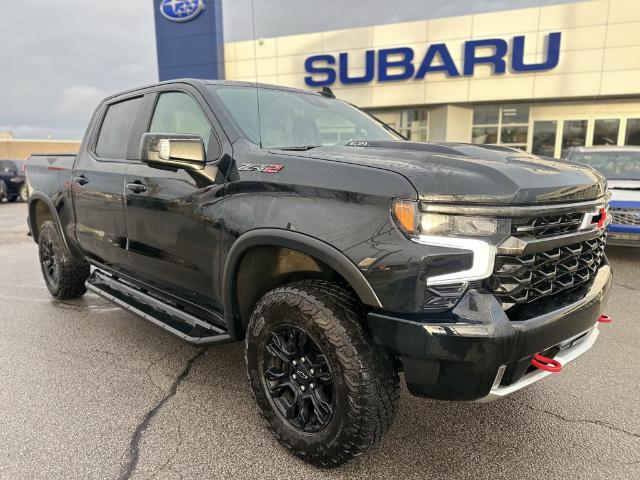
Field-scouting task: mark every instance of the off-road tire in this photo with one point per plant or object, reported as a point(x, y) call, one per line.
point(365, 380)
point(70, 275)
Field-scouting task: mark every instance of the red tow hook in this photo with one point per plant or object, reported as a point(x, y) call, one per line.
point(605, 319)
point(545, 363)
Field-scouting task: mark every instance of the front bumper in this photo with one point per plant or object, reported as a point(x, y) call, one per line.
point(458, 357)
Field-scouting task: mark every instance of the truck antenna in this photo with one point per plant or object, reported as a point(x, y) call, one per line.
point(255, 66)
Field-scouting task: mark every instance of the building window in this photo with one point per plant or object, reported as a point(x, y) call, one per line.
point(605, 131)
point(501, 124)
point(544, 138)
point(574, 134)
point(633, 132)
point(414, 124)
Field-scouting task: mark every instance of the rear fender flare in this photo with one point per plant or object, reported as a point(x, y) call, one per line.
point(36, 197)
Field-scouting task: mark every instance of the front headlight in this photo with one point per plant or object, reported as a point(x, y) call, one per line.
point(438, 224)
point(477, 235)
point(415, 223)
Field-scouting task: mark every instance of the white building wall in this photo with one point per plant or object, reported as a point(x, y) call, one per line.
point(600, 56)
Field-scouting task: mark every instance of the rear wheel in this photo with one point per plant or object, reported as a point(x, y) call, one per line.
point(326, 390)
point(65, 277)
point(3, 190)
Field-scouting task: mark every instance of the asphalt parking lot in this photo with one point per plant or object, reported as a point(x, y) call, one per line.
point(90, 391)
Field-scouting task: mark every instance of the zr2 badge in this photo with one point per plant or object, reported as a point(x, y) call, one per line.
point(260, 167)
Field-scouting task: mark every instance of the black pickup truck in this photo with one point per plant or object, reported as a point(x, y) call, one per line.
point(341, 253)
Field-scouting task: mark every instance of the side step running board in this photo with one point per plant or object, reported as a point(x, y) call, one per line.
point(182, 324)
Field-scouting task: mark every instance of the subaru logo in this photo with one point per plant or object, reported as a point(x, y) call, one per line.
point(181, 10)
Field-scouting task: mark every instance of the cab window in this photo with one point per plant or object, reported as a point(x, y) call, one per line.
point(177, 112)
point(116, 129)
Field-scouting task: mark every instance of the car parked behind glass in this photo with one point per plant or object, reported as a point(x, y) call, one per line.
point(621, 166)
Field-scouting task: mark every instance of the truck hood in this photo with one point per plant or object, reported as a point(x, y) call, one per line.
point(483, 174)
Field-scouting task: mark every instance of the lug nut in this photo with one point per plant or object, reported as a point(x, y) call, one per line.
point(311, 386)
point(294, 376)
point(303, 360)
point(294, 363)
point(302, 387)
point(312, 372)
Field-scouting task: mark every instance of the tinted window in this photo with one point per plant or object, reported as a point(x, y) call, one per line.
point(116, 129)
point(179, 113)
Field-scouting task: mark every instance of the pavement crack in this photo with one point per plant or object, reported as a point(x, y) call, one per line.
point(599, 423)
point(133, 452)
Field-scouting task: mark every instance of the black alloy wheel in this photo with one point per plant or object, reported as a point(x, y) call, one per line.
point(298, 379)
point(50, 266)
point(64, 276)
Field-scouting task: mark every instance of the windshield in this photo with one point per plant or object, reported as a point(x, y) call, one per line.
point(296, 120)
point(615, 165)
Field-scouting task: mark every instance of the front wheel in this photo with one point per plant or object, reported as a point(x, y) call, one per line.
point(326, 390)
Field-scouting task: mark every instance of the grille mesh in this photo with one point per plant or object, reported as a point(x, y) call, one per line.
point(549, 225)
point(621, 216)
point(522, 279)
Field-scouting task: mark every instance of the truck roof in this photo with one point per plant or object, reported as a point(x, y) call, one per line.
point(198, 83)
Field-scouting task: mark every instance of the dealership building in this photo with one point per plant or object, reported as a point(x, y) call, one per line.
point(542, 79)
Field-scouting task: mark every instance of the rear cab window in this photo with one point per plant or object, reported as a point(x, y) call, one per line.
point(116, 129)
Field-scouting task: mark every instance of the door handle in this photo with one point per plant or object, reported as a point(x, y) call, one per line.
point(81, 180)
point(137, 187)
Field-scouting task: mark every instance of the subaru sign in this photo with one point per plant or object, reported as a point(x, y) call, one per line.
point(189, 38)
point(181, 10)
point(392, 64)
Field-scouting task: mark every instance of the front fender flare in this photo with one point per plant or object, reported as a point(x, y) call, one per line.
point(313, 247)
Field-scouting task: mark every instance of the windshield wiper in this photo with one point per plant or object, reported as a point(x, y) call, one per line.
point(300, 148)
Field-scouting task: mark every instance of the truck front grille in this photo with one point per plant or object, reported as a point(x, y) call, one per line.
point(548, 225)
point(623, 216)
point(522, 279)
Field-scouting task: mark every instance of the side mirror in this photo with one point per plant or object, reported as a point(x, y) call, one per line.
point(173, 151)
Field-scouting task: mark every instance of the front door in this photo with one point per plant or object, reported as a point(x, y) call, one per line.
point(172, 236)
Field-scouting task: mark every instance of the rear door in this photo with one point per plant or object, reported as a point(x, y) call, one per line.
point(173, 239)
point(98, 183)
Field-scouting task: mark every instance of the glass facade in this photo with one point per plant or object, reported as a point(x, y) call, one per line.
point(574, 134)
point(501, 125)
point(605, 131)
point(414, 124)
point(632, 136)
point(541, 128)
point(544, 138)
